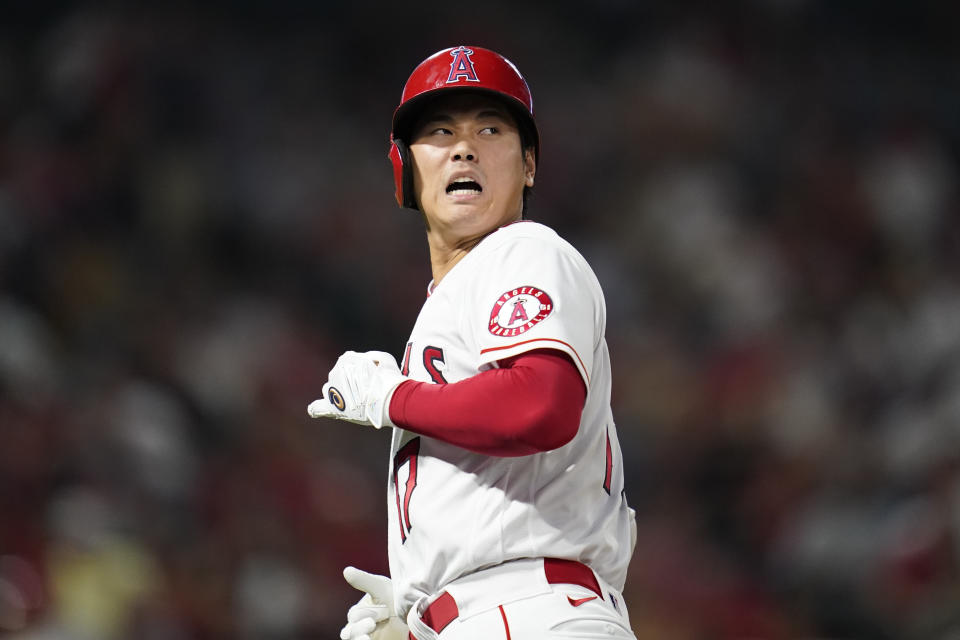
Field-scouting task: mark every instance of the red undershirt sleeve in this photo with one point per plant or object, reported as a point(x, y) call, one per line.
point(532, 403)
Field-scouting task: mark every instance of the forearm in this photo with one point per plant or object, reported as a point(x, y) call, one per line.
point(531, 404)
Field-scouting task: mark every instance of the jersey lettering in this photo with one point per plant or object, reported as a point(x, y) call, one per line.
point(432, 356)
point(406, 455)
point(405, 370)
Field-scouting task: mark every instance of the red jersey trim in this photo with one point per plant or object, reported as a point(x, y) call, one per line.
point(566, 344)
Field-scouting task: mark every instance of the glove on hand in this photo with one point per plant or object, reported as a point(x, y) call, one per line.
point(373, 617)
point(359, 388)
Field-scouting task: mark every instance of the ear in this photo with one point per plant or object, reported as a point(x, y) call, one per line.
point(529, 167)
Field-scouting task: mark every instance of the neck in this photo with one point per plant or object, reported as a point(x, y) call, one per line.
point(445, 255)
point(449, 244)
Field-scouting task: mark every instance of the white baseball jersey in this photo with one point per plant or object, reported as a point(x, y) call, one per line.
point(453, 511)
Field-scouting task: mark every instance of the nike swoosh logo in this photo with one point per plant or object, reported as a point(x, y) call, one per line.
point(580, 601)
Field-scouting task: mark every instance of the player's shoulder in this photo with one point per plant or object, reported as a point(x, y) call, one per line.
point(527, 232)
point(531, 246)
point(524, 229)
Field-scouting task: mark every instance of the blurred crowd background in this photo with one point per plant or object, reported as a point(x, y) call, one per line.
point(197, 218)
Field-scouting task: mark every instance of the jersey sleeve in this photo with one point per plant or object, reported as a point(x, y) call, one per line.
point(530, 404)
point(536, 294)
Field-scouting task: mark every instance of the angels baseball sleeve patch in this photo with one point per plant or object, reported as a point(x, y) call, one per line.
point(517, 310)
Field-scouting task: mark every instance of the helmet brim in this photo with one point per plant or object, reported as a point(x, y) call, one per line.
point(406, 116)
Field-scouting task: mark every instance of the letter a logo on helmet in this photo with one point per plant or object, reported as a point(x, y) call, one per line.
point(462, 66)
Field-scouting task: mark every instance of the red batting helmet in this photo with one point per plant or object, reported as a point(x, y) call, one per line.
point(463, 69)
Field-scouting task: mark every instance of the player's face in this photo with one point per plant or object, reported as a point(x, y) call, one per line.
point(469, 167)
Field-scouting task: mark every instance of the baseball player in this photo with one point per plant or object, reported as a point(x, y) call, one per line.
point(507, 515)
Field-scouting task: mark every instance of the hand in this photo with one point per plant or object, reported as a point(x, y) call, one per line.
point(374, 616)
point(359, 388)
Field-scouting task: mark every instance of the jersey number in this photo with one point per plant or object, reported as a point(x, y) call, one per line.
point(432, 356)
point(407, 454)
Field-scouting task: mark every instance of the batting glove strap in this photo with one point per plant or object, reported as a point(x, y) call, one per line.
point(359, 388)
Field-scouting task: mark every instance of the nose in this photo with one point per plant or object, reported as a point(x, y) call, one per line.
point(463, 150)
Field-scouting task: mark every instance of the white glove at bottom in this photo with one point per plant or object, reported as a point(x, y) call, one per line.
point(374, 616)
point(359, 388)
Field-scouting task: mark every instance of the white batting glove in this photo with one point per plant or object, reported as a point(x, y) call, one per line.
point(359, 388)
point(374, 616)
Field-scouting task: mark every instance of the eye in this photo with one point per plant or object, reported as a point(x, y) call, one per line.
point(440, 131)
point(490, 130)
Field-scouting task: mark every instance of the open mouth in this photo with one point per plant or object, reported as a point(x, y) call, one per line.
point(464, 186)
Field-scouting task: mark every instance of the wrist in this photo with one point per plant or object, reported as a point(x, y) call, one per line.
point(386, 418)
point(397, 405)
point(378, 412)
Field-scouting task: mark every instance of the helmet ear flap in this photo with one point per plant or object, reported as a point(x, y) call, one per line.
point(402, 173)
